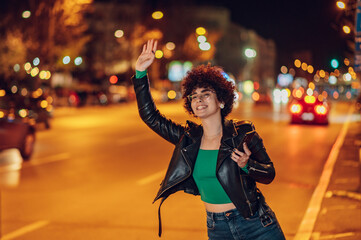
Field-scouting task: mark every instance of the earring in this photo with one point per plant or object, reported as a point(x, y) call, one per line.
point(221, 105)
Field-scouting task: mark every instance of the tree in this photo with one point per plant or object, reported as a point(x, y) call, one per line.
point(55, 28)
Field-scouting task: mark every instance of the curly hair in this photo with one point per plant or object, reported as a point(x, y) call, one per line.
point(208, 77)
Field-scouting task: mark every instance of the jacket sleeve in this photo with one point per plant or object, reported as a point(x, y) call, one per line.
point(148, 112)
point(260, 166)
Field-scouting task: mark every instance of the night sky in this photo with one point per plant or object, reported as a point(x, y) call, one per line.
point(295, 26)
point(313, 25)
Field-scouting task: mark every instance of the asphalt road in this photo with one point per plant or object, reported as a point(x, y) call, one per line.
point(95, 174)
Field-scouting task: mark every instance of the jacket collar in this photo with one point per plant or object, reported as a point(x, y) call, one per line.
point(195, 131)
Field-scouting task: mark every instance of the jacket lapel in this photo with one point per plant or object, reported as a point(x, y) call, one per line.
point(195, 132)
point(227, 142)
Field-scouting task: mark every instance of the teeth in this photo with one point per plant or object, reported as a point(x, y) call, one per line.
point(201, 107)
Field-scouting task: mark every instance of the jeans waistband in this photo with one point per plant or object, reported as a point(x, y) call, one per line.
point(223, 215)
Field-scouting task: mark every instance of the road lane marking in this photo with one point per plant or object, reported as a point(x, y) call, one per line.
point(134, 139)
point(24, 230)
point(318, 236)
point(151, 178)
point(305, 229)
point(49, 159)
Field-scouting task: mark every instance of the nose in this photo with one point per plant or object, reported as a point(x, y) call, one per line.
point(199, 99)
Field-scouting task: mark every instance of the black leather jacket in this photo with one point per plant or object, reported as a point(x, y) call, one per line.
point(240, 187)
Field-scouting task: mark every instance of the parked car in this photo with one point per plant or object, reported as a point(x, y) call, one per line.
point(309, 110)
point(17, 130)
point(358, 103)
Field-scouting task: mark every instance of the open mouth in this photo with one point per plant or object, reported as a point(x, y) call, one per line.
point(201, 107)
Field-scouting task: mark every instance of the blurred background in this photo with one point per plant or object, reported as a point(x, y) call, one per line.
point(70, 133)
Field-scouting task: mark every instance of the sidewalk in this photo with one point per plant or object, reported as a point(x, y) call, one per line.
point(340, 214)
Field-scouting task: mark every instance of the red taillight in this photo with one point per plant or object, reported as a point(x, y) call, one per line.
point(320, 109)
point(296, 108)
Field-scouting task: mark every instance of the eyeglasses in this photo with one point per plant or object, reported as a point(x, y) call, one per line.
point(202, 96)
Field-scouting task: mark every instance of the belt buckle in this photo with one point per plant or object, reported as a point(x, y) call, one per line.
point(266, 220)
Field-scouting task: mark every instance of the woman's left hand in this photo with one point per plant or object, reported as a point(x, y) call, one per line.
point(241, 158)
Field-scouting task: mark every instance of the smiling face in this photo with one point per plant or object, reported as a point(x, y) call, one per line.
point(204, 103)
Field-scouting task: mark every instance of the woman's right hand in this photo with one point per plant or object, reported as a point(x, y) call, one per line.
point(146, 58)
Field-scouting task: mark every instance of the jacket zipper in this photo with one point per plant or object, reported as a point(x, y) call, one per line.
point(254, 169)
point(179, 180)
point(247, 200)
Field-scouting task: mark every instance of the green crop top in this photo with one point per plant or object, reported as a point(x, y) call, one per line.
point(204, 175)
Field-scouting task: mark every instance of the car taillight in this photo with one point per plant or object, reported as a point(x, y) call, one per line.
point(320, 109)
point(296, 108)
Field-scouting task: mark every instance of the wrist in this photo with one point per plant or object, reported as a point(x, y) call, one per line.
point(140, 74)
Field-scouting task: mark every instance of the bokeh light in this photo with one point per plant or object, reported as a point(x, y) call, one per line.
point(250, 53)
point(172, 94)
point(78, 61)
point(346, 29)
point(201, 39)
point(157, 15)
point(205, 46)
point(66, 60)
point(284, 69)
point(170, 46)
point(27, 66)
point(340, 4)
point(297, 63)
point(26, 14)
point(16, 67)
point(36, 61)
point(201, 31)
point(119, 33)
point(113, 79)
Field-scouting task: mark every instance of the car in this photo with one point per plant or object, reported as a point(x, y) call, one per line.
point(309, 110)
point(358, 103)
point(16, 130)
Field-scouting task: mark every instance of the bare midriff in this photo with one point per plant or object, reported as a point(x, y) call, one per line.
point(219, 207)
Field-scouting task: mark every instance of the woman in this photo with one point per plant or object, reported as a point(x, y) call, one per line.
point(206, 160)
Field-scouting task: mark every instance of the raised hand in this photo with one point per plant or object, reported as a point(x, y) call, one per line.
point(146, 58)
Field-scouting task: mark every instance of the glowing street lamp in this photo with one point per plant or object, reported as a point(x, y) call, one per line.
point(26, 14)
point(250, 53)
point(118, 33)
point(340, 5)
point(66, 60)
point(346, 29)
point(201, 31)
point(205, 46)
point(157, 15)
point(78, 61)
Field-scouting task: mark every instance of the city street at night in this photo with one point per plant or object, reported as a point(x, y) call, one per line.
point(95, 174)
point(252, 99)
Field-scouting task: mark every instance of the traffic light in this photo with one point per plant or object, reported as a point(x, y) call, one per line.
point(334, 63)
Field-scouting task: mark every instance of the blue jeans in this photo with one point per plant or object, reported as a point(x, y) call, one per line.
point(230, 225)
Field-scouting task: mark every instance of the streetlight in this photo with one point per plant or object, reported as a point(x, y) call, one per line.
point(205, 46)
point(250, 53)
point(78, 61)
point(26, 14)
point(66, 60)
point(340, 4)
point(201, 30)
point(334, 63)
point(346, 29)
point(119, 33)
point(157, 15)
point(297, 63)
